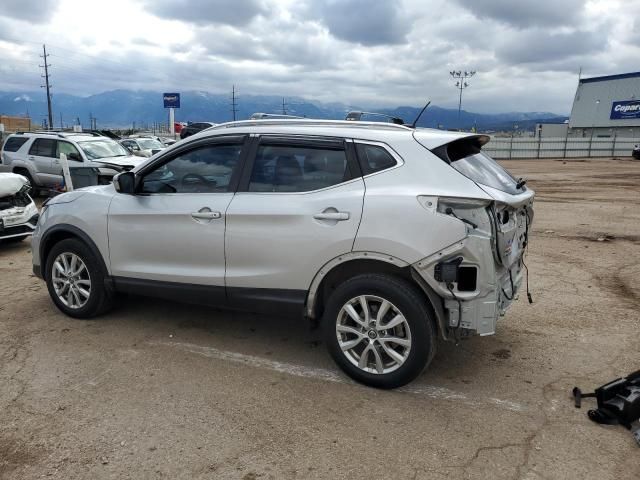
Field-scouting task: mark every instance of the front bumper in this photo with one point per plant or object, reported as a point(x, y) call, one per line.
point(18, 224)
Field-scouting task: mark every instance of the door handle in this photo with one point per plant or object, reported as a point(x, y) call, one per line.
point(31, 158)
point(205, 213)
point(336, 216)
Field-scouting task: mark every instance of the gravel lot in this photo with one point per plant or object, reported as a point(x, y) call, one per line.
point(163, 390)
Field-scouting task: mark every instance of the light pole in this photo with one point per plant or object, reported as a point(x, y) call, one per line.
point(461, 83)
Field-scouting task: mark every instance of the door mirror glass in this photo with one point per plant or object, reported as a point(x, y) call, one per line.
point(74, 156)
point(125, 182)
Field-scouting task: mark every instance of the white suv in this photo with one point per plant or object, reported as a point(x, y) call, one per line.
point(36, 156)
point(390, 235)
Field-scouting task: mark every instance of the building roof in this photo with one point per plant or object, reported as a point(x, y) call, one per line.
point(606, 78)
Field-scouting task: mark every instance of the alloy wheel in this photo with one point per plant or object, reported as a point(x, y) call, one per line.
point(373, 334)
point(71, 280)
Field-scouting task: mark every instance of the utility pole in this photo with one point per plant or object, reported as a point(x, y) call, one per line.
point(47, 85)
point(93, 122)
point(234, 105)
point(284, 107)
point(61, 125)
point(461, 84)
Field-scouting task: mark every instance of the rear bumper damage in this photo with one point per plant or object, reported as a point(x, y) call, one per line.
point(478, 277)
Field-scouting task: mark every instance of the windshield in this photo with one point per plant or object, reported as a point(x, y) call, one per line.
point(482, 169)
point(149, 143)
point(102, 148)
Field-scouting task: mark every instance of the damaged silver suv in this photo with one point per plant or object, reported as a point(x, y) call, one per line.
point(390, 236)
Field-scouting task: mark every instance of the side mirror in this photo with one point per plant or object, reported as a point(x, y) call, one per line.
point(125, 182)
point(75, 157)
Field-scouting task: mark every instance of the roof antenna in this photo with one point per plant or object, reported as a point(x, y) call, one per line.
point(413, 125)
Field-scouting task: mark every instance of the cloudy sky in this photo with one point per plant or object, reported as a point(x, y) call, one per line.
point(368, 52)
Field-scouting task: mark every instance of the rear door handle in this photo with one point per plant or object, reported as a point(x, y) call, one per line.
point(205, 213)
point(336, 216)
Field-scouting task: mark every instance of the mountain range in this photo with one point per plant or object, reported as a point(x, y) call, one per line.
point(123, 108)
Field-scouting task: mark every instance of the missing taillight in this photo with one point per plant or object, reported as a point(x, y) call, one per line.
point(467, 279)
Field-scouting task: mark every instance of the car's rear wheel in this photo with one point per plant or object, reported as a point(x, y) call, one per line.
point(379, 330)
point(75, 280)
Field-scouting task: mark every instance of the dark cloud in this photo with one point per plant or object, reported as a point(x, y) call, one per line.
point(522, 14)
point(399, 52)
point(539, 46)
point(205, 12)
point(380, 22)
point(33, 11)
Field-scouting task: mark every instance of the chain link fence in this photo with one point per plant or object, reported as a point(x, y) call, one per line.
point(564, 147)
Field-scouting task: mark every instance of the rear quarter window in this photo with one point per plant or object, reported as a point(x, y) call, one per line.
point(13, 144)
point(374, 158)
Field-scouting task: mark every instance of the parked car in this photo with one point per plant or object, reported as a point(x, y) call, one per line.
point(193, 128)
point(143, 146)
point(391, 236)
point(36, 156)
point(636, 152)
point(177, 127)
point(18, 212)
point(167, 141)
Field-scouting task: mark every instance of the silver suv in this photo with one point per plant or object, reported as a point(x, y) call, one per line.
point(36, 156)
point(391, 236)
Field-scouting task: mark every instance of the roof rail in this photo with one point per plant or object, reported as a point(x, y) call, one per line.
point(309, 121)
point(48, 132)
point(272, 116)
point(356, 115)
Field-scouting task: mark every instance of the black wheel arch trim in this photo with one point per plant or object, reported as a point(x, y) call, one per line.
point(75, 232)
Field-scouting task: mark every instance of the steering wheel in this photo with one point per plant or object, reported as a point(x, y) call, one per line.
point(195, 181)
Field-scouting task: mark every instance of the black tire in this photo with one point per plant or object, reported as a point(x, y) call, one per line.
point(406, 298)
point(100, 299)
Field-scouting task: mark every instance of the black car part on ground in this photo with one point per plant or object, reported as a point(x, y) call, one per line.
point(618, 403)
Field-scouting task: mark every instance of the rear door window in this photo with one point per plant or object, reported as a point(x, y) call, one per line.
point(13, 144)
point(290, 168)
point(43, 147)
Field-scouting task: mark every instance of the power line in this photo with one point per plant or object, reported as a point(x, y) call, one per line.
point(47, 85)
point(461, 84)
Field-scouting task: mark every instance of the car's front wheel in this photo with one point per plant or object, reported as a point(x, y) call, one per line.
point(379, 330)
point(75, 280)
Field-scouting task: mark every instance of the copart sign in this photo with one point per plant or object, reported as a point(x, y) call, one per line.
point(625, 109)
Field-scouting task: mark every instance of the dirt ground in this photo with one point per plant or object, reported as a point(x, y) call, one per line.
point(163, 390)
